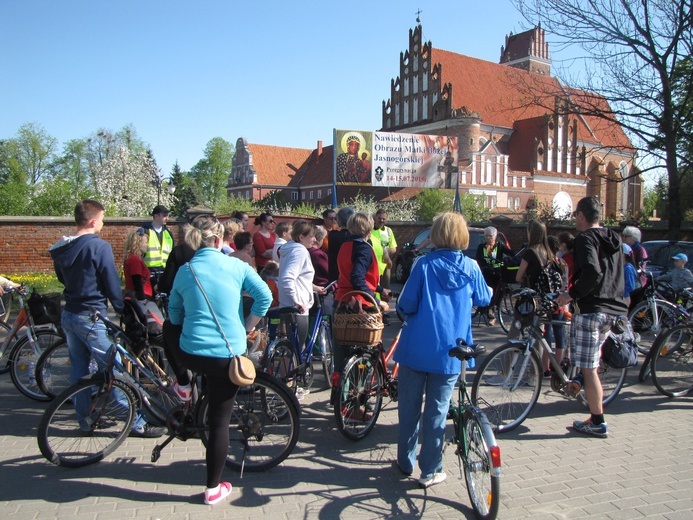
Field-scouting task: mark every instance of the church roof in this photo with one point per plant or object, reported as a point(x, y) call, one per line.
point(503, 95)
point(277, 165)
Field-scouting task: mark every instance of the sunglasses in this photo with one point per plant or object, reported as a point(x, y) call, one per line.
point(271, 221)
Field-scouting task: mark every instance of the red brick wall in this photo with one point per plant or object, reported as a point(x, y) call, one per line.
point(24, 241)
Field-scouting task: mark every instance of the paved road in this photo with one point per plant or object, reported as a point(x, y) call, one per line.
point(642, 470)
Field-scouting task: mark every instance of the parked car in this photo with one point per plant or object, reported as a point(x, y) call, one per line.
point(659, 253)
point(407, 255)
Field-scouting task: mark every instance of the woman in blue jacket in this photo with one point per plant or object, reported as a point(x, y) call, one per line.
point(437, 304)
point(202, 346)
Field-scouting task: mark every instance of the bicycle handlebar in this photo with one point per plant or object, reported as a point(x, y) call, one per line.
point(110, 326)
point(20, 289)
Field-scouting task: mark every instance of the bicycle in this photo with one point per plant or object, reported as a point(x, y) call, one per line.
point(263, 430)
point(648, 318)
point(285, 359)
point(358, 392)
point(508, 381)
point(476, 448)
point(53, 365)
point(25, 351)
point(672, 361)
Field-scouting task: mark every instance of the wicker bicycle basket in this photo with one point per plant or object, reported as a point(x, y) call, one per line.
point(363, 329)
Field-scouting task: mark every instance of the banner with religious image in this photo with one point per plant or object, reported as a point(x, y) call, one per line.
point(414, 160)
point(395, 160)
point(353, 153)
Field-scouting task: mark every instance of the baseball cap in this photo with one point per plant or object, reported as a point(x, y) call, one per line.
point(680, 256)
point(160, 209)
point(626, 249)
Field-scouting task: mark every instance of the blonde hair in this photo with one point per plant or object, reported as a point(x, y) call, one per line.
point(231, 227)
point(202, 232)
point(132, 244)
point(449, 230)
point(360, 225)
point(300, 228)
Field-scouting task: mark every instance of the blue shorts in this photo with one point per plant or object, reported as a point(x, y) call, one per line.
point(587, 333)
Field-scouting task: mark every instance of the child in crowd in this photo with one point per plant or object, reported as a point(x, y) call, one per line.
point(629, 272)
point(679, 278)
point(283, 231)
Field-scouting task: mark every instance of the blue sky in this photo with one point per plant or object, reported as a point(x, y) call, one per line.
point(183, 72)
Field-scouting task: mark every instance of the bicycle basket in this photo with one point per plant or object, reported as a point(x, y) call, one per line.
point(45, 308)
point(357, 326)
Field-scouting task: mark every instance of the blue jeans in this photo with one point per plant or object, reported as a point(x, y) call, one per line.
point(438, 389)
point(556, 332)
point(86, 338)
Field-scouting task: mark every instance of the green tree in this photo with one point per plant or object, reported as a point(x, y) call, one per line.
point(432, 201)
point(184, 196)
point(211, 173)
point(473, 208)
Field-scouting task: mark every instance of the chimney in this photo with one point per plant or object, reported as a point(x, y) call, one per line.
point(319, 148)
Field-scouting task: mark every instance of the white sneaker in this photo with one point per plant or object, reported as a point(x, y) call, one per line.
point(437, 478)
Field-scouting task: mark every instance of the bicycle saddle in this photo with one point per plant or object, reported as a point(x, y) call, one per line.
point(463, 352)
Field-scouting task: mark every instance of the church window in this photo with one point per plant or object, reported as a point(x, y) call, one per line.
point(425, 82)
point(415, 112)
point(406, 113)
point(415, 85)
point(406, 86)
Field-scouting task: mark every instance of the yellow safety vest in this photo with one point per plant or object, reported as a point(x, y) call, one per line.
point(157, 252)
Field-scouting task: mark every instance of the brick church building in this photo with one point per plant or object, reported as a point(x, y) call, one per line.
point(521, 139)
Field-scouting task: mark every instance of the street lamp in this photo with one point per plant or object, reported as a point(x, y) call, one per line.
point(170, 188)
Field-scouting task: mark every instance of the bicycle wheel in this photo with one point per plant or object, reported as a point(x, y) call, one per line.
point(506, 386)
point(23, 359)
point(477, 457)
point(53, 369)
point(264, 425)
point(672, 364)
point(66, 440)
point(505, 310)
point(7, 306)
point(325, 342)
point(157, 407)
point(5, 354)
point(647, 321)
point(612, 381)
point(359, 396)
point(282, 361)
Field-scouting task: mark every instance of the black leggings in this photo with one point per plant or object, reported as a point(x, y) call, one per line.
point(221, 394)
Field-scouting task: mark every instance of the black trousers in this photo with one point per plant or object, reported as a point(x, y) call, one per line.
point(221, 394)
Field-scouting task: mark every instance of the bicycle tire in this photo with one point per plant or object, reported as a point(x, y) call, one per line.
point(282, 361)
point(327, 350)
point(53, 369)
point(7, 305)
point(505, 310)
point(505, 390)
point(23, 359)
point(60, 435)
point(646, 367)
point(672, 363)
point(612, 380)
point(474, 454)
point(642, 321)
point(359, 396)
point(264, 425)
point(5, 331)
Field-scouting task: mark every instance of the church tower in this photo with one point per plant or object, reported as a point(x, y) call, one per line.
point(528, 51)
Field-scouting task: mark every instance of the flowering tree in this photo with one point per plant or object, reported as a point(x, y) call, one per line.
point(129, 185)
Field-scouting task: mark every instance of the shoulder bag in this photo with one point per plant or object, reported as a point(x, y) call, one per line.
point(241, 368)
